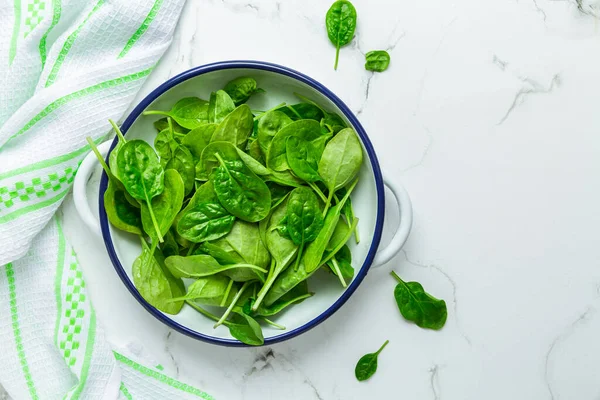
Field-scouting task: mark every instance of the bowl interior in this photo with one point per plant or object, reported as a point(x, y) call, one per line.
point(328, 290)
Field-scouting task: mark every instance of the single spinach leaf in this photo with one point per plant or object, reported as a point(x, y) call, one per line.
point(286, 281)
point(120, 213)
point(302, 158)
point(155, 284)
point(304, 219)
point(377, 60)
point(235, 128)
point(307, 129)
point(341, 161)
point(165, 206)
point(197, 139)
point(240, 89)
point(204, 218)
point(255, 152)
point(240, 191)
point(183, 162)
point(285, 178)
point(208, 160)
point(189, 112)
point(367, 365)
point(219, 106)
point(112, 157)
point(221, 251)
point(418, 306)
point(204, 265)
point(210, 291)
point(141, 174)
point(268, 126)
point(245, 329)
point(244, 239)
point(341, 24)
point(253, 165)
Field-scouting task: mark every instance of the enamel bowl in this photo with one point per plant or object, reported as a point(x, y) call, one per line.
point(368, 197)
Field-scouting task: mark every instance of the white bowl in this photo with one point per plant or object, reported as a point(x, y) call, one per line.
point(368, 197)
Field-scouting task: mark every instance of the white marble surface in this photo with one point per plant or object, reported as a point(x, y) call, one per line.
point(489, 116)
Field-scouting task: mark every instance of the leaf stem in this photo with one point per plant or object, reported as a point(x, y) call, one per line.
point(317, 191)
point(158, 233)
point(156, 112)
point(273, 324)
point(235, 299)
point(226, 295)
point(205, 313)
point(328, 201)
point(118, 131)
point(292, 109)
point(298, 256)
point(99, 157)
point(337, 56)
point(395, 275)
point(382, 347)
point(341, 244)
point(263, 291)
point(191, 249)
point(337, 271)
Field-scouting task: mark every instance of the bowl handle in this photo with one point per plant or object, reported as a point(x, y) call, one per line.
point(80, 188)
point(405, 209)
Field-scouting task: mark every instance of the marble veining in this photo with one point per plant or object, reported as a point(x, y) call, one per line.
point(489, 116)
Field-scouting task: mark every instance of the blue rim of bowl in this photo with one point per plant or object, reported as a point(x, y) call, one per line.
point(258, 65)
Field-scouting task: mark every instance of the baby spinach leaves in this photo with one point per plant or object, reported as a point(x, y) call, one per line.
point(240, 89)
point(240, 191)
point(418, 306)
point(189, 112)
point(377, 60)
point(233, 197)
point(367, 365)
point(141, 173)
point(341, 24)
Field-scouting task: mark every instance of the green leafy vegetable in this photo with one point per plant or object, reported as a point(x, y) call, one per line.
point(205, 265)
point(235, 127)
point(367, 365)
point(165, 206)
point(142, 175)
point(304, 219)
point(418, 306)
point(377, 60)
point(197, 139)
point(189, 112)
point(240, 89)
point(307, 129)
point(341, 24)
point(268, 126)
point(302, 158)
point(219, 106)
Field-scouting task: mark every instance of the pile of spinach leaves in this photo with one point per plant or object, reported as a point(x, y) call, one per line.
point(235, 208)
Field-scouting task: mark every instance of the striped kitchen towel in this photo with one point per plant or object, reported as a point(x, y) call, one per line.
point(66, 67)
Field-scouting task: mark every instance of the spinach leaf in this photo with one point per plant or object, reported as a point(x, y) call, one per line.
point(235, 127)
point(332, 121)
point(341, 24)
point(205, 265)
point(221, 251)
point(302, 158)
point(165, 145)
point(244, 239)
point(285, 178)
point(307, 129)
point(240, 89)
point(198, 139)
point(245, 329)
point(268, 126)
point(165, 206)
point(189, 112)
point(341, 161)
point(142, 175)
point(240, 191)
point(377, 60)
point(255, 152)
point(210, 291)
point(183, 162)
point(204, 218)
point(278, 193)
point(219, 106)
point(418, 306)
point(304, 219)
point(112, 157)
point(155, 284)
point(120, 213)
point(253, 165)
point(367, 365)
point(285, 282)
point(208, 160)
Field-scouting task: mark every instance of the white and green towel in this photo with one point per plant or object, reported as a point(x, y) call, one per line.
point(66, 67)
